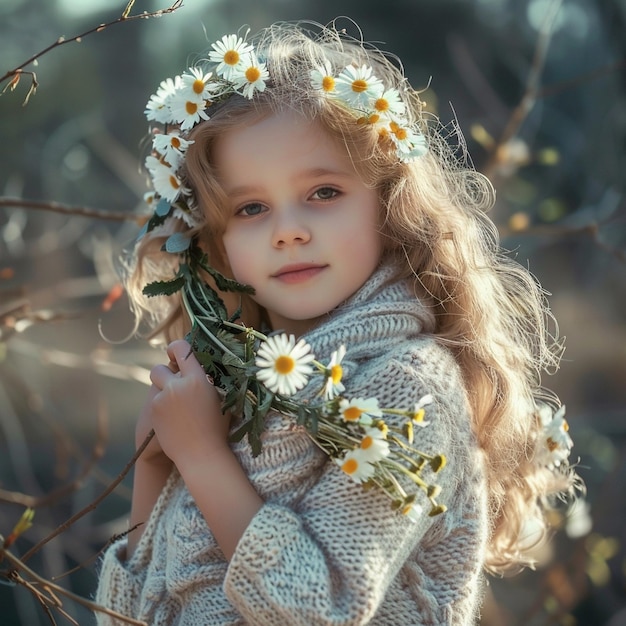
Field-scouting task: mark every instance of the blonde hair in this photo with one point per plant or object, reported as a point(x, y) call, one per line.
point(490, 311)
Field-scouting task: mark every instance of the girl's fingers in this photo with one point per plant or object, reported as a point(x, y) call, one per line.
point(160, 374)
point(181, 355)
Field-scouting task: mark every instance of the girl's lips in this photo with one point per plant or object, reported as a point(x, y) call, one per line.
point(293, 274)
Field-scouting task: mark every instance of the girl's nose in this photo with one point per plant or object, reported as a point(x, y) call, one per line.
point(290, 230)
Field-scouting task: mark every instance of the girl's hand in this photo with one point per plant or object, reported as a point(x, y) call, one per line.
point(153, 453)
point(186, 409)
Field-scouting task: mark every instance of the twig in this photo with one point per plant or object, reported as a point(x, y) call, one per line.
point(57, 207)
point(18, 564)
point(18, 71)
point(35, 502)
point(111, 541)
point(72, 360)
point(592, 229)
point(555, 88)
point(531, 92)
point(92, 505)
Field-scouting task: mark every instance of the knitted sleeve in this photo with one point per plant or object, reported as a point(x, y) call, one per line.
point(331, 559)
point(132, 586)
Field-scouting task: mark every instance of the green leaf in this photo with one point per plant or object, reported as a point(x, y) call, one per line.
point(233, 361)
point(265, 403)
point(164, 287)
point(163, 208)
point(161, 213)
point(177, 243)
point(227, 284)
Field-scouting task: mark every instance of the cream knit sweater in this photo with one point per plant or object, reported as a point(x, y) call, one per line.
point(322, 550)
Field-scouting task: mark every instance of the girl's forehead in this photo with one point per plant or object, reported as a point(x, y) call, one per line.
point(283, 135)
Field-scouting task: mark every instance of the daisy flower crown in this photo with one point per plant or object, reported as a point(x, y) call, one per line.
point(234, 67)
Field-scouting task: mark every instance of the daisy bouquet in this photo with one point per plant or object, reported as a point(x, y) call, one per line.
point(256, 374)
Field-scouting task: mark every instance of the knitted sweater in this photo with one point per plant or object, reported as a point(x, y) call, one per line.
point(322, 550)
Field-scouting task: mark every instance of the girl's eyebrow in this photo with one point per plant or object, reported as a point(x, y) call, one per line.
point(320, 172)
point(315, 172)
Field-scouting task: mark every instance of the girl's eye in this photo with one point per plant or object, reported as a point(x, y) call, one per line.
point(325, 193)
point(249, 210)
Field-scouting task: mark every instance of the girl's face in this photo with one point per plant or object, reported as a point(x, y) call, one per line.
point(302, 227)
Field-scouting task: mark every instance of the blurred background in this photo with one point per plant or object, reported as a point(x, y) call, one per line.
point(556, 154)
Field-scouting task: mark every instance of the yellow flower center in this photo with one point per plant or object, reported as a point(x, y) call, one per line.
point(418, 416)
point(191, 107)
point(350, 466)
point(285, 364)
point(359, 85)
point(381, 104)
point(175, 142)
point(552, 445)
point(328, 83)
point(253, 74)
point(336, 372)
point(198, 86)
point(352, 413)
point(401, 134)
point(231, 57)
point(367, 442)
point(174, 182)
point(565, 425)
point(407, 509)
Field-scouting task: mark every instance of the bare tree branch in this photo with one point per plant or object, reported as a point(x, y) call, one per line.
point(55, 495)
point(57, 207)
point(526, 104)
point(15, 74)
point(50, 587)
point(92, 505)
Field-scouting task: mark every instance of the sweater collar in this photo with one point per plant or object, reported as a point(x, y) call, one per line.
point(384, 312)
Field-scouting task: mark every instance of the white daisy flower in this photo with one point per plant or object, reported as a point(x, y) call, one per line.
point(409, 143)
point(150, 198)
point(185, 216)
point(359, 410)
point(358, 85)
point(284, 364)
point(374, 446)
point(418, 148)
point(418, 412)
point(164, 179)
point(197, 84)
point(413, 511)
point(389, 104)
point(334, 371)
point(228, 53)
point(554, 442)
point(354, 464)
point(158, 109)
point(186, 112)
point(322, 78)
point(251, 75)
point(171, 147)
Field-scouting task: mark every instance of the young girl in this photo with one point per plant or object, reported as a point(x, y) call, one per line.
point(304, 167)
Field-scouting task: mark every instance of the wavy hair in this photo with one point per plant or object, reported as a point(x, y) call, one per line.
point(490, 311)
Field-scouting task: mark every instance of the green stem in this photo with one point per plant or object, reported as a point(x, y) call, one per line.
point(209, 334)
